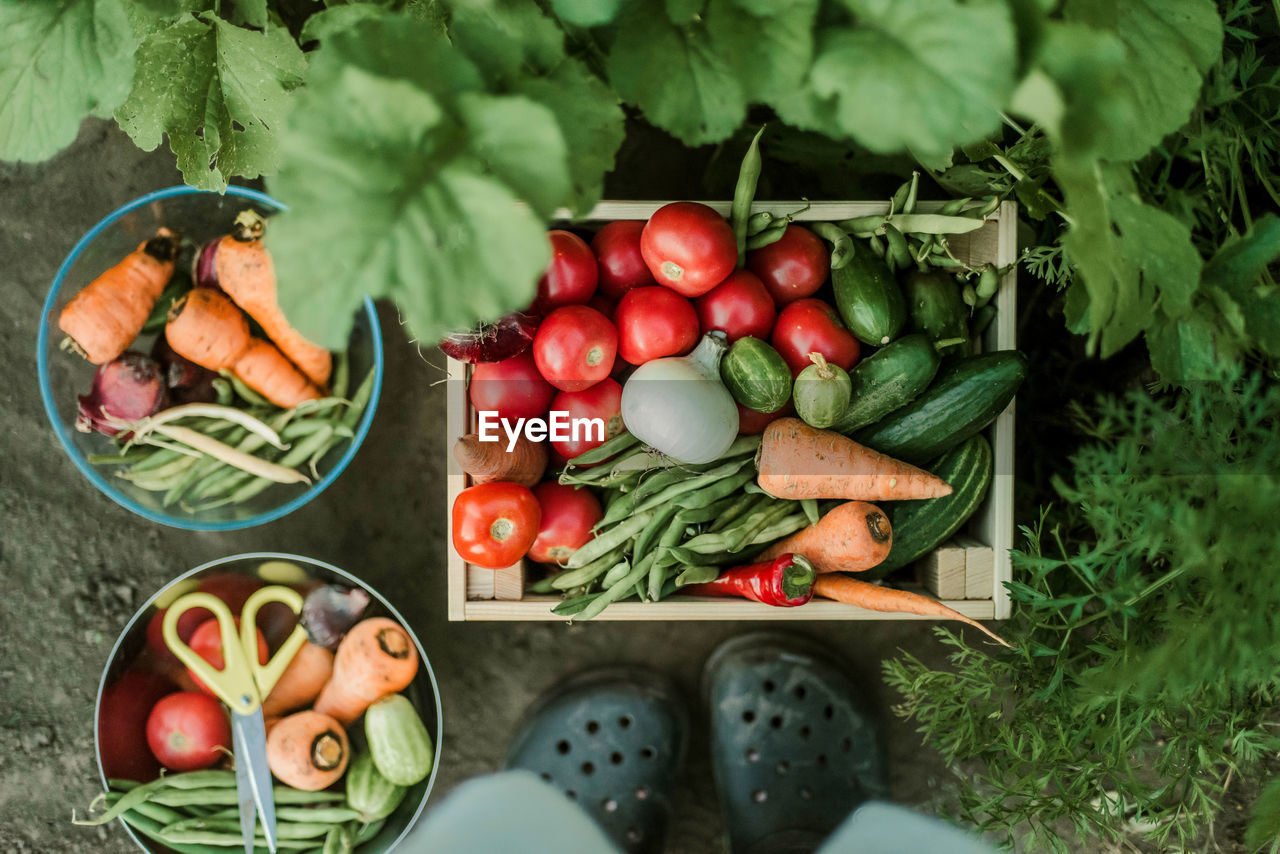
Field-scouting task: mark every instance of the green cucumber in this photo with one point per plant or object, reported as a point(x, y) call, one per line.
point(919, 527)
point(756, 375)
point(368, 792)
point(965, 398)
point(891, 377)
point(398, 741)
point(868, 298)
point(821, 392)
point(936, 307)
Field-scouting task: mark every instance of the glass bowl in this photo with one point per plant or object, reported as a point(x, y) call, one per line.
point(423, 692)
point(200, 216)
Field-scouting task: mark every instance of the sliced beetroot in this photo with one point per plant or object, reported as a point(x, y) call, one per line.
point(125, 389)
point(329, 611)
point(492, 342)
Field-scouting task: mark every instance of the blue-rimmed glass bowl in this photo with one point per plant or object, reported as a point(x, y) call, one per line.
point(200, 216)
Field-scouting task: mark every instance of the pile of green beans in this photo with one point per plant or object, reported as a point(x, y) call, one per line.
point(665, 524)
point(197, 813)
point(196, 482)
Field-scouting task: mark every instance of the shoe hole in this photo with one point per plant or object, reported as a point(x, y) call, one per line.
point(769, 686)
point(546, 777)
point(822, 760)
point(776, 721)
point(571, 794)
point(748, 717)
point(642, 793)
point(562, 747)
point(593, 727)
point(624, 721)
point(806, 794)
point(828, 712)
point(753, 755)
point(609, 805)
point(633, 835)
point(805, 731)
point(615, 758)
point(647, 753)
point(846, 745)
point(783, 767)
point(588, 769)
point(759, 796)
point(799, 692)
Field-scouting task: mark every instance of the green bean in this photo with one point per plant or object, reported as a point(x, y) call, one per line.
point(202, 779)
point(225, 839)
point(615, 574)
point(898, 250)
point(294, 458)
point(877, 245)
point(225, 796)
point(359, 401)
point(571, 578)
point(982, 319)
point(984, 210)
point(151, 829)
point(744, 194)
point(369, 831)
point(338, 841)
point(758, 222)
point(243, 439)
point(609, 540)
point(132, 457)
point(690, 484)
point(954, 206)
point(697, 574)
point(746, 503)
point(285, 828)
point(662, 519)
point(625, 587)
point(841, 242)
point(657, 573)
point(307, 426)
point(574, 605)
point(657, 482)
point(224, 394)
point(127, 801)
point(341, 374)
point(118, 785)
point(988, 283)
point(243, 391)
point(968, 295)
point(770, 235)
point(542, 585)
point(711, 512)
point(716, 491)
point(611, 448)
point(319, 404)
point(810, 507)
point(779, 529)
point(617, 510)
point(738, 538)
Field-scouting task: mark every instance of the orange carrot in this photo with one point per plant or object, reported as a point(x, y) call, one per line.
point(873, 597)
point(376, 658)
point(852, 537)
point(798, 461)
point(269, 722)
point(206, 328)
point(104, 318)
point(301, 681)
point(265, 370)
point(308, 751)
point(245, 272)
point(487, 461)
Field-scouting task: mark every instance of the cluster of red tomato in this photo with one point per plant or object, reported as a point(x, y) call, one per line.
point(641, 290)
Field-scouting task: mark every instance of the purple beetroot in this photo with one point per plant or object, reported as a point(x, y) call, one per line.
point(126, 389)
point(492, 342)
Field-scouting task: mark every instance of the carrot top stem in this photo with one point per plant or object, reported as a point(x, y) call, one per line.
point(249, 226)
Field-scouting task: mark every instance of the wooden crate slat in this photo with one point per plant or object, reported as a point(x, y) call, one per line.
point(693, 608)
point(942, 571)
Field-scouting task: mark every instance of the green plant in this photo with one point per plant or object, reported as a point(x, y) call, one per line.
point(1144, 677)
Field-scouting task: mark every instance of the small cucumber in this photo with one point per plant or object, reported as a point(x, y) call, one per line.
point(891, 377)
point(821, 392)
point(368, 792)
point(756, 375)
point(965, 398)
point(398, 741)
point(919, 527)
point(868, 298)
point(936, 307)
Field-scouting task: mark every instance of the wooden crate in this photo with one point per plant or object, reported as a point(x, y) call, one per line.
point(475, 593)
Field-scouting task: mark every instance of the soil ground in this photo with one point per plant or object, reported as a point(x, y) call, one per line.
point(74, 566)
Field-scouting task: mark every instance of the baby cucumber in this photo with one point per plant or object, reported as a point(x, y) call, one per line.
point(821, 392)
point(868, 298)
point(891, 377)
point(398, 740)
point(937, 308)
point(756, 375)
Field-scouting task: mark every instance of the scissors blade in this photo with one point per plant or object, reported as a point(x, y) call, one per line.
point(244, 788)
point(251, 755)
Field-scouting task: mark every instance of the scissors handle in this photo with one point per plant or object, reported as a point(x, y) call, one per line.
point(266, 675)
point(234, 683)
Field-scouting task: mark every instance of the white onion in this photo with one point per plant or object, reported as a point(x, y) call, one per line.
point(678, 405)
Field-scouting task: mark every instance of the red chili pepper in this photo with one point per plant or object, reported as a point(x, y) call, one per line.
point(785, 581)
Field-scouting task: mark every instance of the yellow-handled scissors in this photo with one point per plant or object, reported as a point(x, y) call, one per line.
point(242, 684)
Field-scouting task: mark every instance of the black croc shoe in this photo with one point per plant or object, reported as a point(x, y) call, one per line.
point(612, 740)
point(794, 746)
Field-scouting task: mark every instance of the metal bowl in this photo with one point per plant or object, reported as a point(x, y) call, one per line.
point(423, 692)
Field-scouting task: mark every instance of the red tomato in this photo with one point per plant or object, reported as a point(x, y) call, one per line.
point(688, 247)
point(654, 322)
point(752, 423)
point(571, 278)
point(604, 401)
point(575, 347)
point(792, 268)
point(513, 388)
point(739, 306)
point(233, 588)
point(494, 524)
point(188, 731)
point(122, 725)
point(207, 643)
point(568, 514)
point(811, 326)
point(622, 267)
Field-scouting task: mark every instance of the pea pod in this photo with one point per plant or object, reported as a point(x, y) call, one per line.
point(715, 492)
point(623, 588)
point(609, 540)
point(661, 521)
point(571, 578)
point(744, 194)
point(770, 235)
point(758, 222)
point(841, 242)
point(657, 572)
point(680, 488)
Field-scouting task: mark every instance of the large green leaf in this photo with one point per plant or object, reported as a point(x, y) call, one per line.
point(674, 75)
point(586, 13)
point(1169, 45)
point(1237, 269)
point(918, 75)
point(409, 196)
point(59, 62)
point(219, 92)
point(769, 51)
